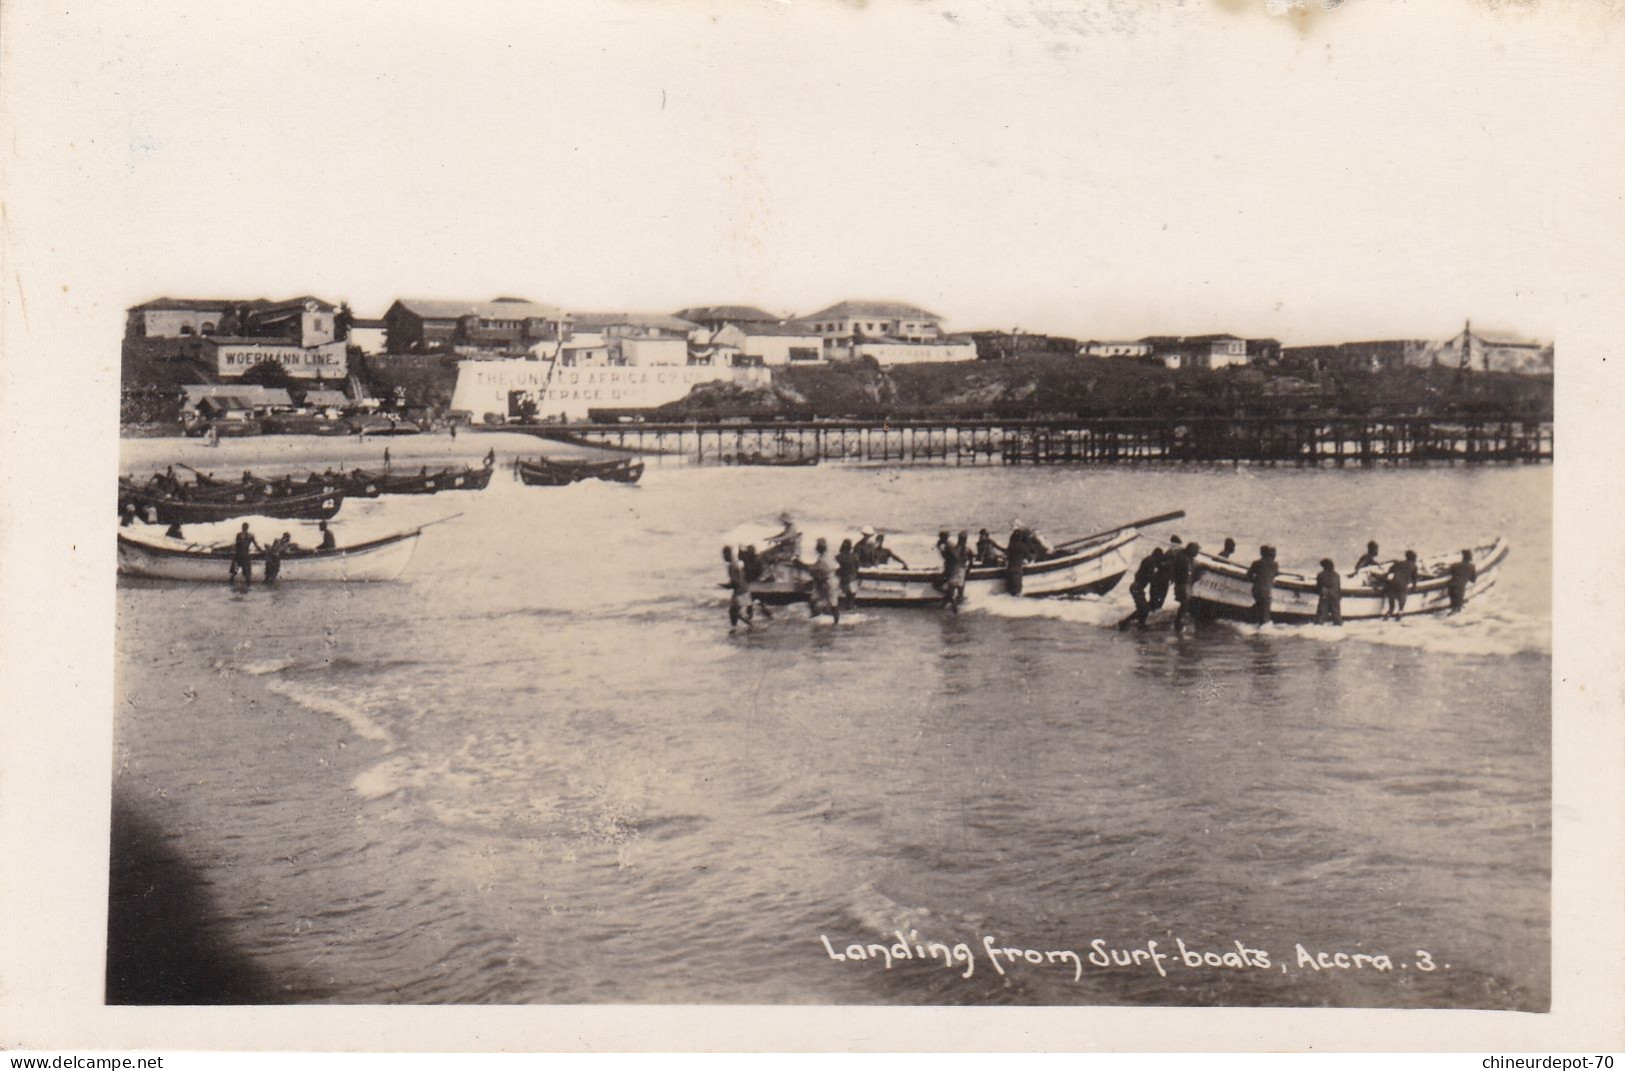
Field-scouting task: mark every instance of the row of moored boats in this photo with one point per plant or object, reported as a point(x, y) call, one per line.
point(166, 499)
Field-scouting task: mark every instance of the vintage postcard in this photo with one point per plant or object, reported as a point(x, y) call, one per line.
point(919, 517)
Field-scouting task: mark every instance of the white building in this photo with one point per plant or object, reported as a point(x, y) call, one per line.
point(759, 345)
point(1139, 348)
point(892, 332)
point(1198, 351)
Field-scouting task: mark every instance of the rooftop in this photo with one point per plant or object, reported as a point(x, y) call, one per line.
point(738, 314)
point(888, 310)
point(196, 304)
point(587, 321)
point(501, 309)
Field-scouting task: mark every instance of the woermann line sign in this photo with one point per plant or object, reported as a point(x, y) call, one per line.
point(328, 361)
point(486, 386)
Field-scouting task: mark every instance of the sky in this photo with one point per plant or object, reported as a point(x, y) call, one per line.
point(1097, 170)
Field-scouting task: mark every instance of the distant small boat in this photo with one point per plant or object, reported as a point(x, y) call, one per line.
point(773, 460)
point(1222, 591)
point(167, 559)
point(546, 472)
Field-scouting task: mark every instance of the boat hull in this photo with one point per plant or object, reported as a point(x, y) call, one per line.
point(1093, 569)
point(1223, 593)
point(561, 473)
point(316, 505)
point(376, 560)
point(465, 479)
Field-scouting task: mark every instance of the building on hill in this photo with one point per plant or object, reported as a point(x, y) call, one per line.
point(1131, 348)
point(304, 321)
point(1264, 351)
point(631, 324)
point(1206, 352)
point(307, 321)
point(847, 320)
point(756, 345)
point(891, 332)
point(1468, 350)
point(1478, 352)
point(229, 336)
point(505, 326)
point(168, 317)
point(715, 317)
point(621, 339)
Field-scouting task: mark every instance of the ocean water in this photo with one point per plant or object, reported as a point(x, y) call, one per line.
point(540, 769)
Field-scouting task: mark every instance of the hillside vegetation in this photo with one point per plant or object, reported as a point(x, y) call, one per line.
point(1060, 386)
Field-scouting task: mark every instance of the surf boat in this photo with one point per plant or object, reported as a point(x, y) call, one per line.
point(319, 504)
point(372, 484)
point(1223, 592)
point(1090, 565)
point(161, 558)
point(545, 472)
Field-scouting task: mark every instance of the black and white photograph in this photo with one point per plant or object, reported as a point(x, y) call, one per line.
point(849, 505)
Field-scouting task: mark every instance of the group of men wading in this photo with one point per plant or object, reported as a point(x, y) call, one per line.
point(834, 578)
point(244, 544)
point(1178, 567)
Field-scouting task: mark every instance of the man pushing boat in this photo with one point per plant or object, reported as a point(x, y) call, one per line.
point(241, 548)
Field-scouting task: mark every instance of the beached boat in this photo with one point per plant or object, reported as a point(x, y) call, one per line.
point(1091, 566)
point(1223, 592)
point(254, 489)
point(425, 482)
point(172, 559)
point(305, 505)
point(547, 472)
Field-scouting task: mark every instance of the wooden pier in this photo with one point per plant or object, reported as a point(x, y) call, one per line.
point(1297, 440)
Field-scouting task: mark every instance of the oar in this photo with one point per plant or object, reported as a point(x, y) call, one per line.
point(1144, 522)
point(441, 520)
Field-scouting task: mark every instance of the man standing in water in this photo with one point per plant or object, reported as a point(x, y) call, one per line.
point(1329, 588)
point(846, 568)
point(1462, 575)
point(1022, 546)
point(1184, 571)
point(1158, 593)
point(1397, 585)
point(823, 599)
point(945, 549)
point(957, 559)
point(1262, 573)
point(240, 550)
point(739, 592)
point(1150, 566)
point(273, 557)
